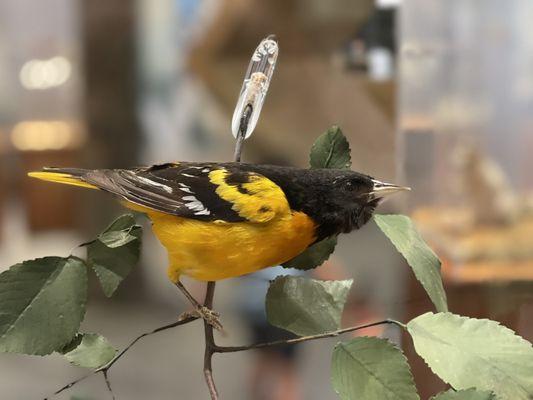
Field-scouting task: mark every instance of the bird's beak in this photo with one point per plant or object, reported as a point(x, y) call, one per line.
point(383, 189)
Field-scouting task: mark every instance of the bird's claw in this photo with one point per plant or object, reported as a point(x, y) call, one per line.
point(208, 315)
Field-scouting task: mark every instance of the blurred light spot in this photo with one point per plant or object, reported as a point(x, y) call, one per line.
point(46, 135)
point(388, 3)
point(45, 74)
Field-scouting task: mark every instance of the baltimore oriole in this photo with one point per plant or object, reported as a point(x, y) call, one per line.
point(222, 220)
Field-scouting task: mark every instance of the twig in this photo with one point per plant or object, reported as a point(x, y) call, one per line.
point(104, 370)
point(242, 133)
point(209, 343)
point(157, 330)
point(108, 384)
point(69, 385)
point(231, 349)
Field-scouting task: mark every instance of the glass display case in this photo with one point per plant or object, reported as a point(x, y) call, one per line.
point(466, 133)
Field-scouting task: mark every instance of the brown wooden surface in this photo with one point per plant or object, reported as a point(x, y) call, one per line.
point(483, 272)
point(48, 206)
point(3, 187)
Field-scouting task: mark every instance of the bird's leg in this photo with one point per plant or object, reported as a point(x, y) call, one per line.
point(210, 316)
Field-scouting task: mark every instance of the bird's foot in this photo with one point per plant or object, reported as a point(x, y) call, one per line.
point(208, 315)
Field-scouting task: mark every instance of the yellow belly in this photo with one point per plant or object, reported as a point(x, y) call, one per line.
point(210, 251)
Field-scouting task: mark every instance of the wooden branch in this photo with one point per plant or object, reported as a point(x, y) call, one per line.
point(209, 344)
point(108, 384)
point(231, 349)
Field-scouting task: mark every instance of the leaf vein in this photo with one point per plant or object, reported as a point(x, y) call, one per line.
point(376, 377)
point(48, 281)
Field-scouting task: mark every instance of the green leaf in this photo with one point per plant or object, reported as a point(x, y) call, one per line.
point(368, 368)
point(314, 256)
point(117, 238)
point(426, 266)
point(115, 252)
point(120, 232)
point(469, 394)
point(89, 350)
point(331, 150)
point(467, 352)
point(306, 306)
point(42, 303)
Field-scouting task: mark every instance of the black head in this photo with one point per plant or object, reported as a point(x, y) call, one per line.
point(342, 201)
point(349, 204)
point(339, 201)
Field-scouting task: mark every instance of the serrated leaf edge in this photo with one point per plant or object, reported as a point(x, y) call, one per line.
point(493, 396)
point(331, 128)
point(100, 277)
point(49, 280)
point(92, 264)
point(316, 266)
point(83, 334)
point(305, 312)
point(517, 338)
point(127, 215)
point(426, 257)
point(387, 344)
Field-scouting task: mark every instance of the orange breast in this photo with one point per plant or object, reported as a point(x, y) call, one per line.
point(211, 251)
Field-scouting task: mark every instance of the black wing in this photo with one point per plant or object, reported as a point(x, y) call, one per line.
point(182, 189)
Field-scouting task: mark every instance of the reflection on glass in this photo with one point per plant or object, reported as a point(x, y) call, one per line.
point(465, 120)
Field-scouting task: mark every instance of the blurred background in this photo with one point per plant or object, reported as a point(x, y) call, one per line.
point(436, 95)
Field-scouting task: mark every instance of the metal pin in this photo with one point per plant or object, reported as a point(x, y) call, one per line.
point(254, 88)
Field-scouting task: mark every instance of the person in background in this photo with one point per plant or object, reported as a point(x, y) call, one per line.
point(274, 367)
point(277, 367)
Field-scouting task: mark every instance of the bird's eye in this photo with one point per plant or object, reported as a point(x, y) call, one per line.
point(349, 186)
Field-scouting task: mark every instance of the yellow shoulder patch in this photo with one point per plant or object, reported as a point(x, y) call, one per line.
point(260, 201)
